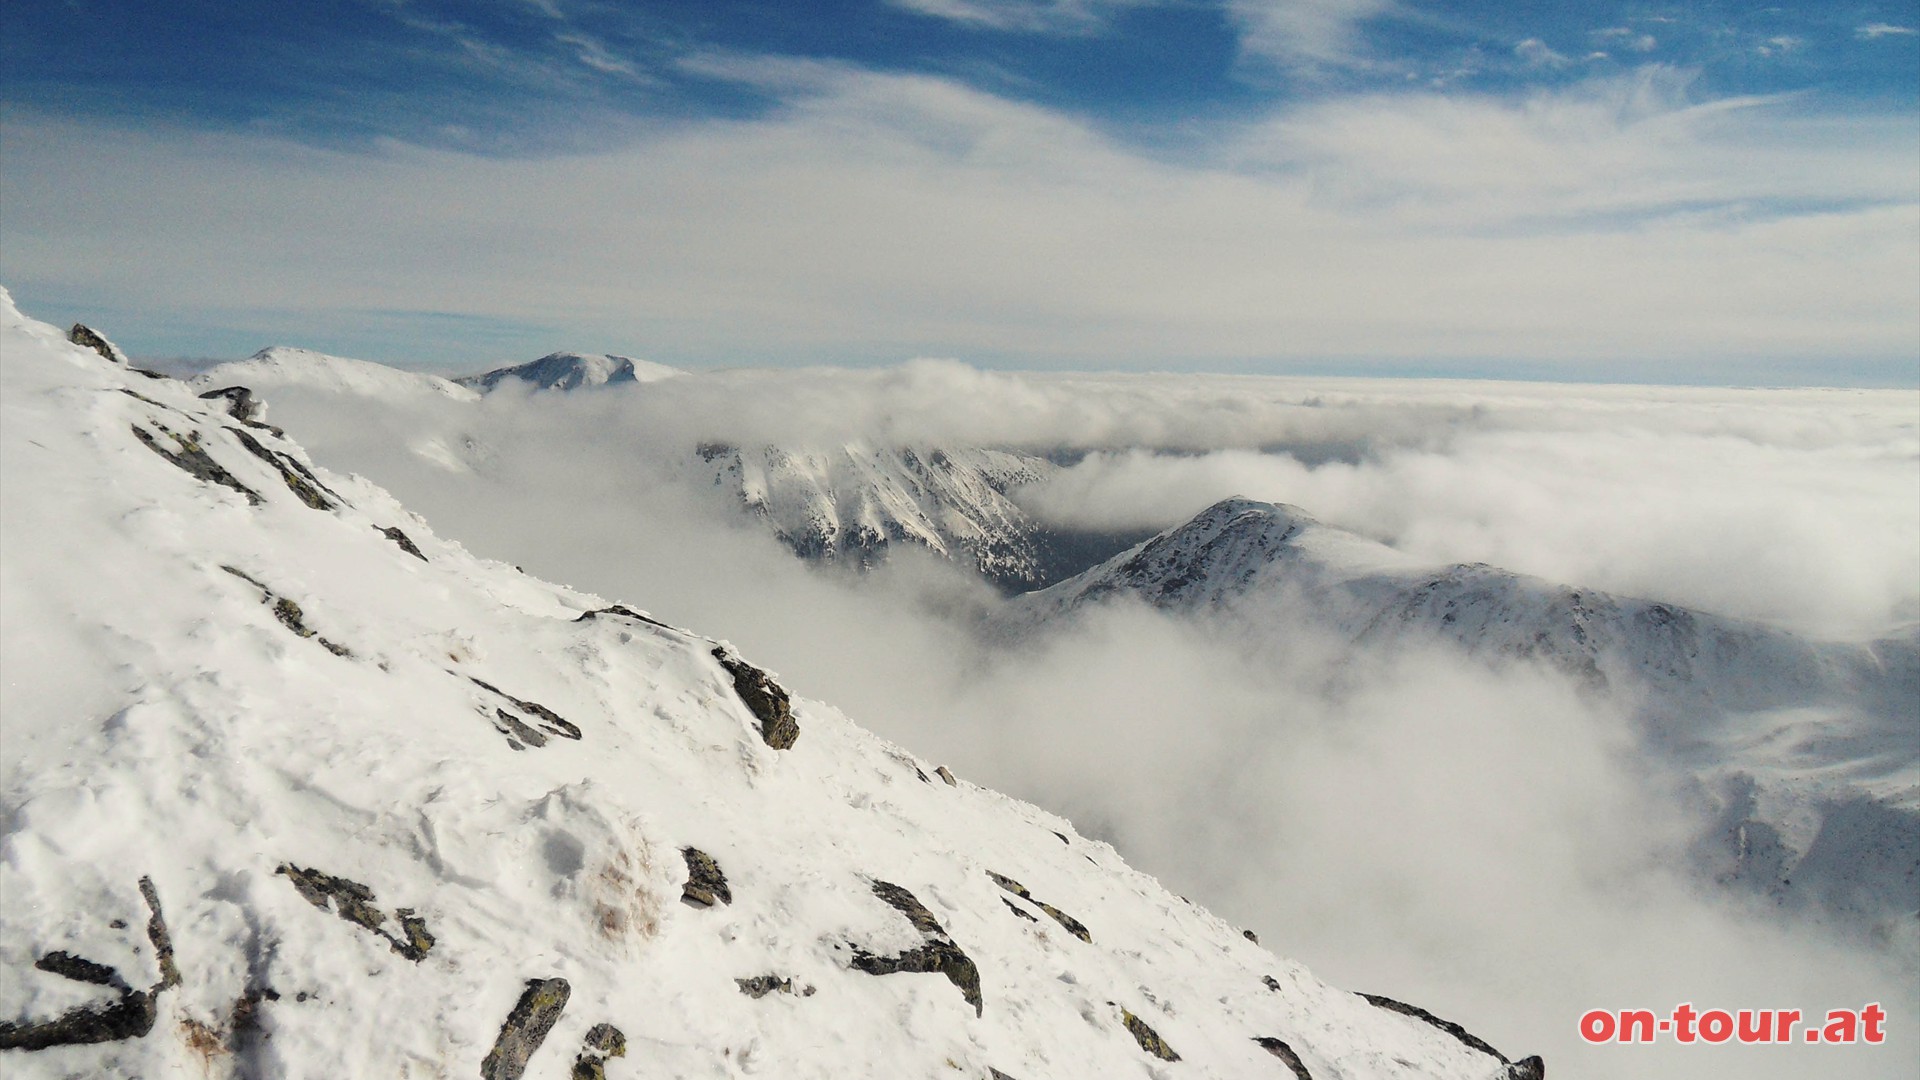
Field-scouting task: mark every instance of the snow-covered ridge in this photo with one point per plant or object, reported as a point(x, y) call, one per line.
point(573, 371)
point(1811, 748)
point(294, 787)
point(287, 366)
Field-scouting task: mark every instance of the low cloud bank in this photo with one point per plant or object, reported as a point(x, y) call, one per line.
point(1483, 844)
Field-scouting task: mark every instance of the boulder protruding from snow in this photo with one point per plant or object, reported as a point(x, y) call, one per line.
point(706, 884)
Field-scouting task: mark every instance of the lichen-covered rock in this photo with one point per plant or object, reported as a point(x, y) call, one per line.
point(937, 953)
point(603, 1041)
point(767, 700)
point(760, 986)
point(353, 902)
point(706, 884)
point(1149, 1039)
point(1279, 1048)
point(526, 1027)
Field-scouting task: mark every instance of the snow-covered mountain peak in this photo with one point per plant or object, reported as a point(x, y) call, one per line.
point(283, 365)
point(574, 371)
point(294, 787)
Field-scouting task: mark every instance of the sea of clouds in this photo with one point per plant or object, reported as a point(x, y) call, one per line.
point(1485, 844)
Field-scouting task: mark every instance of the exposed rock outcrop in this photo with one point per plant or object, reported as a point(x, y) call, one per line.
point(288, 613)
point(767, 700)
point(406, 543)
point(130, 1016)
point(1149, 1039)
point(353, 902)
point(88, 338)
point(937, 953)
point(549, 721)
point(1073, 925)
point(187, 454)
point(1532, 1068)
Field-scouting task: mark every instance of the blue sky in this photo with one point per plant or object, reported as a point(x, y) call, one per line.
point(1692, 192)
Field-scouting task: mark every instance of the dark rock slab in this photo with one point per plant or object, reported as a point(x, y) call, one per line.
point(760, 986)
point(937, 953)
point(526, 1027)
point(1278, 1048)
point(767, 700)
point(706, 883)
point(1527, 1068)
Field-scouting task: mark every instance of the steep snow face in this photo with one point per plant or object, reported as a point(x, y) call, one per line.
point(851, 504)
point(282, 365)
point(293, 787)
point(573, 371)
point(1811, 748)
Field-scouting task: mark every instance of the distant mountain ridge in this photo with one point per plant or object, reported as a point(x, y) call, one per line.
point(1812, 748)
point(852, 504)
point(573, 371)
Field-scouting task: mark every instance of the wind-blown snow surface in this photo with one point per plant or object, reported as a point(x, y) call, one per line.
point(222, 669)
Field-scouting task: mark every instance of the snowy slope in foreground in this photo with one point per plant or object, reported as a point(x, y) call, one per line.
point(1811, 749)
point(365, 787)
